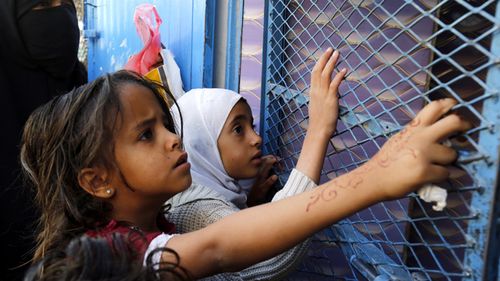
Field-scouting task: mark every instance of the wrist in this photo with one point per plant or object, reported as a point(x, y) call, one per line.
point(318, 132)
point(376, 177)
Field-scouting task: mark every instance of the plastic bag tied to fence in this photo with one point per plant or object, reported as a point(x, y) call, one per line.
point(154, 61)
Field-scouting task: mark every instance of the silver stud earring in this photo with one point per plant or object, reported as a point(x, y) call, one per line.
point(108, 191)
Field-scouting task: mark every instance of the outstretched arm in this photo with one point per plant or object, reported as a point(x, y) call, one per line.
point(323, 114)
point(412, 157)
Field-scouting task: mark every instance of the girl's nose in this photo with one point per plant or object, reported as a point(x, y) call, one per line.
point(256, 140)
point(172, 141)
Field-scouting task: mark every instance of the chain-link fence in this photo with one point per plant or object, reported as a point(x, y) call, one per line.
point(400, 55)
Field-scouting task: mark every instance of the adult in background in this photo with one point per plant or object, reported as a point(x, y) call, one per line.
point(38, 60)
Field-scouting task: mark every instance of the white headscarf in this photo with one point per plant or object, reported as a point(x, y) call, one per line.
point(204, 112)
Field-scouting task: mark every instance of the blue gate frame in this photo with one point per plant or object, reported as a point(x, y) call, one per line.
point(400, 55)
point(112, 38)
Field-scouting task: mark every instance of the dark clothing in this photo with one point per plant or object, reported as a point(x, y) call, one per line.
point(38, 60)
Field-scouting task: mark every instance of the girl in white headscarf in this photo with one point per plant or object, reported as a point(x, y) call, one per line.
point(204, 112)
point(203, 131)
point(223, 149)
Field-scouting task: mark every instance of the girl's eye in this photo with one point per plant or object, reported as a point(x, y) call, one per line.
point(146, 135)
point(238, 129)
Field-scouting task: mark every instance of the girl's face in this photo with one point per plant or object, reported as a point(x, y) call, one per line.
point(149, 155)
point(239, 144)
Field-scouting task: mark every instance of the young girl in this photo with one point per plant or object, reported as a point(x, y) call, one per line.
point(105, 157)
point(223, 149)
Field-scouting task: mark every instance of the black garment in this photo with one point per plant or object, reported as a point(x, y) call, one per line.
point(38, 60)
point(43, 42)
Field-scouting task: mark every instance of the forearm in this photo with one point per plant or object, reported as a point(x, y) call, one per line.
point(258, 233)
point(313, 152)
point(277, 267)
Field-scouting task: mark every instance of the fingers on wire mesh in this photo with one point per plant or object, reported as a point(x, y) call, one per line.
point(334, 85)
point(448, 126)
point(326, 74)
point(442, 155)
point(437, 173)
point(320, 65)
point(435, 110)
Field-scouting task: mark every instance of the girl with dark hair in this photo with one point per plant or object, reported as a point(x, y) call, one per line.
point(38, 60)
point(105, 157)
point(102, 259)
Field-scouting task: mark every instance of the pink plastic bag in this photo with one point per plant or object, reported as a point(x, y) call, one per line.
point(145, 18)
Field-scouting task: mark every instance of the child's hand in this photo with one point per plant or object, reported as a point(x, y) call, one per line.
point(323, 103)
point(415, 155)
point(323, 115)
point(263, 182)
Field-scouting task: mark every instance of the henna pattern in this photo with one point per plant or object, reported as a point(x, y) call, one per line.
point(327, 194)
point(395, 149)
point(354, 179)
point(315, 198)
point(397, 146)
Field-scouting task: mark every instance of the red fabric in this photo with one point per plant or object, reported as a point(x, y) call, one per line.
point(139, 239)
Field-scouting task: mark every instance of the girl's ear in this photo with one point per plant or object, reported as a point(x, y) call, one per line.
point(94, 181)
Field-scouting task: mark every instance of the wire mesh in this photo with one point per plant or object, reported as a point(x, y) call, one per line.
point(400, 56)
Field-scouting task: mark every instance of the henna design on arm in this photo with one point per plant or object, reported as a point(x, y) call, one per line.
point(326, 194)
point(396, 148)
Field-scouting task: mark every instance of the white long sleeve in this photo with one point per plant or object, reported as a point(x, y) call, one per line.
point(297, 183)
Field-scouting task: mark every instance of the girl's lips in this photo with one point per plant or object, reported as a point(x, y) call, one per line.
point(257, 158)
point(258, 155)
point(256, 161)
point(181, 160)
point(183, 166)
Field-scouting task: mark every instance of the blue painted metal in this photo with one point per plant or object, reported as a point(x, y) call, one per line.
point(89, 31)
point(90, 34)
point(399, 240)
point(211, 8)
point(233, 54)
point(271, 58)
point(113, 38)
point(482, 231)
point(366, 257)
point(375, 129)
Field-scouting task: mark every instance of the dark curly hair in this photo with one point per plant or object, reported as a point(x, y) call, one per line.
point(102, 259)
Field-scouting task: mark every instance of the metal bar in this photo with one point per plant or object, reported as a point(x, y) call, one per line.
point(233, 55)
point(480, 259)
